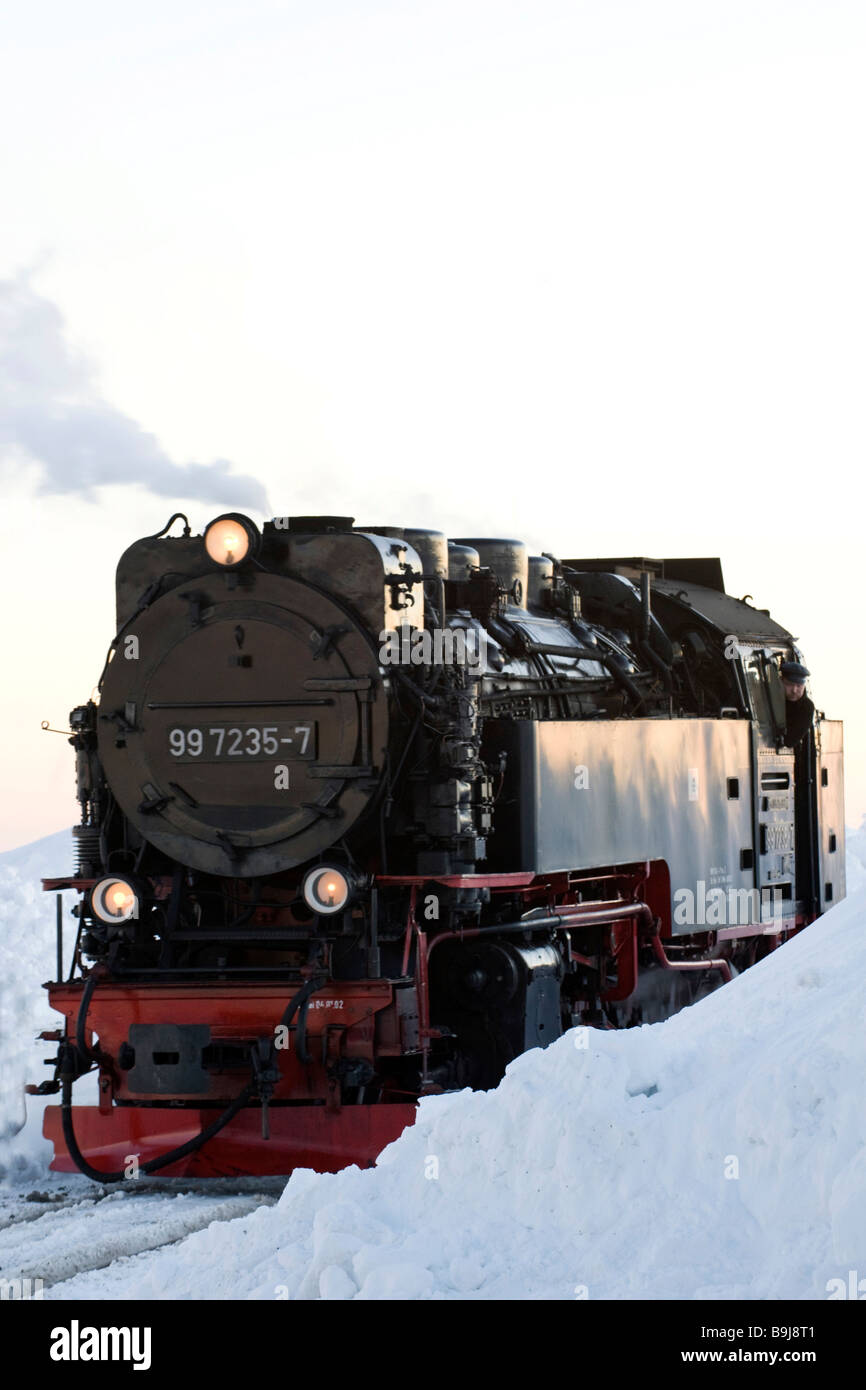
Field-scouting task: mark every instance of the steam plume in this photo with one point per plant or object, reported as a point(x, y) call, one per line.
point(51, 411)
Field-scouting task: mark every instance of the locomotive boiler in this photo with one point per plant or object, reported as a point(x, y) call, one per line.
point(366, 813)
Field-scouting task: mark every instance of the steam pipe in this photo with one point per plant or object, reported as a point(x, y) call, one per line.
point(668, 964)
point(571, 917)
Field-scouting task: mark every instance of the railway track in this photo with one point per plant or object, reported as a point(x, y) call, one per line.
point(55, 1235)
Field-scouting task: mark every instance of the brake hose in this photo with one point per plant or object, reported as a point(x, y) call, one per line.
point(298, 1001)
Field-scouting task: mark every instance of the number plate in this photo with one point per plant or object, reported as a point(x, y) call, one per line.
point(242, 743)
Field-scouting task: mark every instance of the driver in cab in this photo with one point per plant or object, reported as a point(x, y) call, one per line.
point(799, 710)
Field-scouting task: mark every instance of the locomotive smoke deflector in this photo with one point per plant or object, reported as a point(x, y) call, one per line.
point(231, 539)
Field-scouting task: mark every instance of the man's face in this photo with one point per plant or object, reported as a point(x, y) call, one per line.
point(794, 690)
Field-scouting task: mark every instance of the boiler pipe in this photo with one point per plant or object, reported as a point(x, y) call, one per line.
point(613, 912)
point(667, 964)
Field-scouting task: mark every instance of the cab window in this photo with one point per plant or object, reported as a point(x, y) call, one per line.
point(757, 690)
point(766, 692)
point(776, 693)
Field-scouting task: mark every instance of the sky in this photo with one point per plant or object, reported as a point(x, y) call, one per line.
point(590, 274)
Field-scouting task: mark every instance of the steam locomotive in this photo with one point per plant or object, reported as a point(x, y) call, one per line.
point(367, 813)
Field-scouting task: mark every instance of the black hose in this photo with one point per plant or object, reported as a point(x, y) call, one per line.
point(84, 1006)
point(154, 1164)
point(298, 1000)
point(301, 1048)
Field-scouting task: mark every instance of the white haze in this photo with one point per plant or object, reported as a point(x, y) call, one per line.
point(53, 415)
point(588, 272)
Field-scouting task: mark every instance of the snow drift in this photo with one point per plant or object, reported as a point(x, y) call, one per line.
point(27, 957)
point(721, 1154)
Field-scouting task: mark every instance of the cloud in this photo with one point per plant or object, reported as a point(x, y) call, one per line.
point(52, 413)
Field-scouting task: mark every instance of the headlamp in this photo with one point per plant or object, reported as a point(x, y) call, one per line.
point(231, 539)
point(114, 900)
point(326, 890)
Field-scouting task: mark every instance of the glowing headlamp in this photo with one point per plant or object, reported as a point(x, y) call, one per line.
point(230, 539)
point(326, 890)
point(114, 900)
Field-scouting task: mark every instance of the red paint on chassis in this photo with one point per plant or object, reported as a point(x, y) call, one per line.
point(302, 1136)
point(347, 1019)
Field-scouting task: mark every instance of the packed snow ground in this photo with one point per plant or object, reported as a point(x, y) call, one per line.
point(73, 1229)
point(719, 1155)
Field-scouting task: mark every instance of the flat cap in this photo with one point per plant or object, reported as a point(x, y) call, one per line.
point(793, 671)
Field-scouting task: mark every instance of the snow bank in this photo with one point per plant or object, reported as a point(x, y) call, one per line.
point(721, 1154)
point(28, 956)
point(855, 857)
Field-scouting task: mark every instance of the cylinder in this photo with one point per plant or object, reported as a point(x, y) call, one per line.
point(461, 559)
point(540, 581)
point(432, 546)
point(507, 559)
